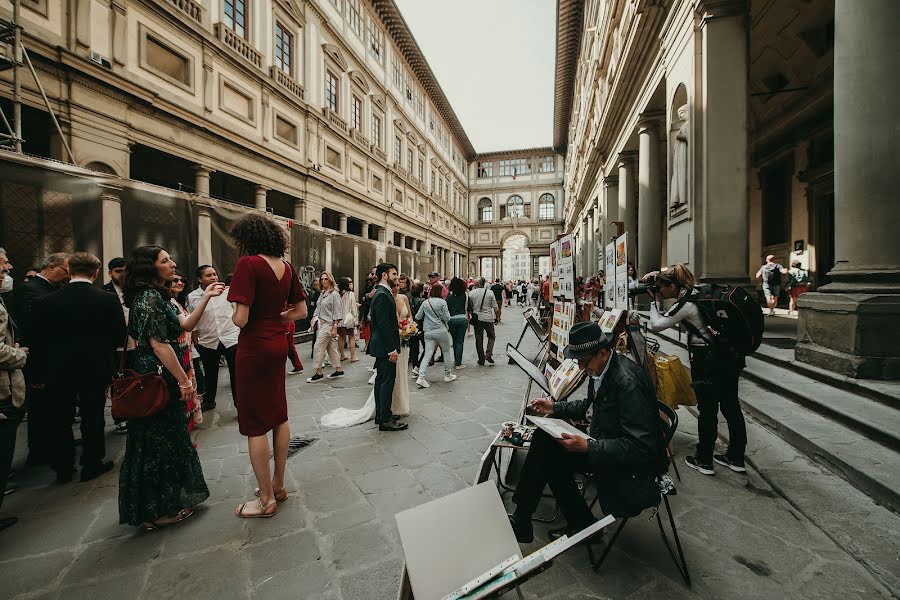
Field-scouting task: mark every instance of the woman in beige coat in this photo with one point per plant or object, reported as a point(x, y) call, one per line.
point(12, 388)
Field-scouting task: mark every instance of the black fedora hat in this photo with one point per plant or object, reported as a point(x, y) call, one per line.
point(586, 338)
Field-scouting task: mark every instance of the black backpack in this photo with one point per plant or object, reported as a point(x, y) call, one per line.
point(734, 319)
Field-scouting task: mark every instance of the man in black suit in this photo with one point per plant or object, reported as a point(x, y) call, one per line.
point(385, 345)
point(76, 331)
point(54, 273)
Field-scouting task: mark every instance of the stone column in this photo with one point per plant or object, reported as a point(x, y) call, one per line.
point(720, 210)
point(342, 223)
point(204, 237)
point(610, 206)
point(111, 230)
point(589, 243)
point(382, 234)
point(328, 253)
point(851, 326)
point(365, 229)
point(649, 249)
point(299, 206)
point(627, 205)
point(201, 179)
point(261, 197)
point(402, 241)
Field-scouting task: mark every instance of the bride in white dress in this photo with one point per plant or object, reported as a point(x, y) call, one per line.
point(346, 417)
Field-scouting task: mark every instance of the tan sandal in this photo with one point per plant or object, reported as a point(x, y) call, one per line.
point(280, 496)
point(264, 508)
point(183, 514)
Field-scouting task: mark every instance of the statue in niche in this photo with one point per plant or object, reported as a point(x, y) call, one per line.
point(678, 188)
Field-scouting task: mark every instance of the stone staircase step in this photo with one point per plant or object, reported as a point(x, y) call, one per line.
point(869, 465)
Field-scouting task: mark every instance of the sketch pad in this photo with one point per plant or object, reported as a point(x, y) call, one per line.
point(452, 540)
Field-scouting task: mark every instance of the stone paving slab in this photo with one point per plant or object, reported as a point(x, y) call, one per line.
point(336, 537)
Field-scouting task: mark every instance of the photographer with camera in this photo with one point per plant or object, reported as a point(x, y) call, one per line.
point(715, 366)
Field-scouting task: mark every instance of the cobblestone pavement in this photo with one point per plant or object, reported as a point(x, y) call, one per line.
point(336, 537)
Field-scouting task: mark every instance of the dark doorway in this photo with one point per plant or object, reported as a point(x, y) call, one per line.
point(824, 229)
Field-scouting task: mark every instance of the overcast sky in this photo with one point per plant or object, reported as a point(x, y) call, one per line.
point(494, 60)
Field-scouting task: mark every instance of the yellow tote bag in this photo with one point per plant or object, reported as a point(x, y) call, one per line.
point(673, 382)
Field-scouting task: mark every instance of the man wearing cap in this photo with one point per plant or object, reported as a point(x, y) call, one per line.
point(435, 278)
point(625, 449)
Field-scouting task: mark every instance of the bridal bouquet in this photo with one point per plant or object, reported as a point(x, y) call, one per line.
point(408, 330)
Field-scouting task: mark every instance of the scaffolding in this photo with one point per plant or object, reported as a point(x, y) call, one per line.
point(14, 56)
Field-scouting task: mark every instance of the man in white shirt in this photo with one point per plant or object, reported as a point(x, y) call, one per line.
point(216, 334)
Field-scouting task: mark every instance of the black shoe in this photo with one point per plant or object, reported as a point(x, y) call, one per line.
point(523, 529)
point(336, 374)
point(8, 522)
point(489, 360)
point(205, 406)
point(480, 363)
point(393, 426)
point(122, 426)
point(735, 465)
point(692, 462)
point(93, 471)
point(316, 377)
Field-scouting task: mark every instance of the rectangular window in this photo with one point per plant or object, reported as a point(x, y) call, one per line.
point(514, 167)
point(776, 202)
point(331, 91)
point(376, 131)
point(420, 103)
point(396, 72)
point(398, 146)
point(440, 187)
point(547, 164)
point(409, 86)
point(377, 185)
point(398, 197)
point(285, 130)
point(376, 40)
point(333, 157)
point(166, 62)
point(409, 161)
point(236, 17)
point(356, 113)
point(354, 18)
point(421, 170)
point(486, 169)
point(432, 181)
point(284, 49)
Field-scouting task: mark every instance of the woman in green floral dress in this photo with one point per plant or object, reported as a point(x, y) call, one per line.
point(161, 478)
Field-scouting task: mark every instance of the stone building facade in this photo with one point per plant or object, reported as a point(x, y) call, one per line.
point(719, 131)
point(323, 112)
point(515, 195)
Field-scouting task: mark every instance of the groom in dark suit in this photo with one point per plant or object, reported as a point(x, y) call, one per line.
point(385, 345)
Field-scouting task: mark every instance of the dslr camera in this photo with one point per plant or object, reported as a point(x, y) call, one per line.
point(651, 285)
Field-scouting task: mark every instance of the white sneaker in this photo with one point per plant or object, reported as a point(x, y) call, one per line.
point(422, 383)
point(450, 377)
point(415, 371)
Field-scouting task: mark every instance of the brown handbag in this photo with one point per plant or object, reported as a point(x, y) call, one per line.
point(135, 396)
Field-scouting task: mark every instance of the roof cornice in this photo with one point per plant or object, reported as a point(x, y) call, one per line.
point(399, 31)
point(568, 43)
point(515, 152)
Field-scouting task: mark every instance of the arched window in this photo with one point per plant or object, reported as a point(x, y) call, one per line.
point(485, 210)
point(546, 207)
point(515, 207)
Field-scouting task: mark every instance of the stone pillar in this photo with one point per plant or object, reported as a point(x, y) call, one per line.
point(204, 237)
point(852, 325)
point(201, 179)
point(261, 197)
point(589, 243)
point(342, 223)
point(610, 206)
point(382, 234)
point(356, 266)
point(364, 232)
point(328, 253)
point(627, 204)
point(299, 207)
point(111, 229)
point(649, 249)
point(720, 212)
point(402, 241)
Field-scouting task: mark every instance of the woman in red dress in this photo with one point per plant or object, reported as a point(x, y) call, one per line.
point(261, 286)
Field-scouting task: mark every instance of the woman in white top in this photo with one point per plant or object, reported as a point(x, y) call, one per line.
point(715, 373)
point(347, 330)
point(329, 315)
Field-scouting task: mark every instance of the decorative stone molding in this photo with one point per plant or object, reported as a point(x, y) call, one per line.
point(360, 80)
point(239, 45)
point(334, 53)
point(378, 100)
point(189, 8)
point(286, 81)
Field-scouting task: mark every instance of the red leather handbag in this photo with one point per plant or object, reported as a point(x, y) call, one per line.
point(134, 395)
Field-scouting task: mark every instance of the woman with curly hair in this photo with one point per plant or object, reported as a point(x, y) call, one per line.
point(161, 478)
point(263, 284)
point(457, 298)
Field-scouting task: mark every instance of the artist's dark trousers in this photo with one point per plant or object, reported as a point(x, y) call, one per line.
point(717, 391)
point(90, 400)
point(210, 358)
point(482, 329)
point(549, 463)
point(38, 425)
point(384, 388)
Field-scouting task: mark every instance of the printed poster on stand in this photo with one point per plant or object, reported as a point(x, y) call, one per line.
point(609, 290)
point(555, 289)
point(621, 300)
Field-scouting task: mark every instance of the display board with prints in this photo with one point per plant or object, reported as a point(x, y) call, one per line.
point(564, 274)
point(563, 319)
point(621, 299)
point(609, 289)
